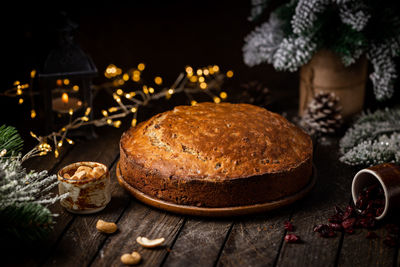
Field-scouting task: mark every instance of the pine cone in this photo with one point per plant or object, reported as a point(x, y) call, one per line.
point(255, 93)
point(323, 114)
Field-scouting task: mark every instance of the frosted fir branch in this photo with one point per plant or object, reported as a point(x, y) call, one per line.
point(374, 138)
point(306, 14)
point(347, 60)
point(382, 58)
point(257, 8)
point(373, 152)
point(370, 126)
point(18, 187)
point(392, 115)
point(262, 43)
point(355, 15)
point(293, 52)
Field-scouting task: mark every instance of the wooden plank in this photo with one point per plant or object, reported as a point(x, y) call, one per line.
point(199, 243)
point(140, 220)
point(255, 241)
point(332, 188)
point(359, 251)
point(103, 149)
point(81, 241)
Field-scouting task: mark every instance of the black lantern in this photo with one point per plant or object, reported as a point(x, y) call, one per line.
point(66, 80)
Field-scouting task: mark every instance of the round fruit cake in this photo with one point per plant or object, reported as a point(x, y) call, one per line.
point(216, 155)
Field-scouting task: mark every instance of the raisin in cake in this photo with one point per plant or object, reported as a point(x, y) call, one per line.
point(216, 155)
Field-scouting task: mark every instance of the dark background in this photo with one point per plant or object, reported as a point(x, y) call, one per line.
point(166, 35)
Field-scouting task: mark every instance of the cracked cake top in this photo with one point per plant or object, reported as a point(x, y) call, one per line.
point(217, 141)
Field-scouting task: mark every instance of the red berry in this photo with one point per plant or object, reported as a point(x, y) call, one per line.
point(289, 226)
point(292, 238)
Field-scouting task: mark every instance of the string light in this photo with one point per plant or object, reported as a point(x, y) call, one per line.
point(87, 111)
point(158, 80)
point(229, 74)
point(33, 73)
point(33, 135)
point(193, 79)
point(189, 82)
point(112, 109)
point(33, 114)
point(20, 101)
point(116, 98)
point(117, 124)
point(141, 66)
point(125, 77)
point(189, 69)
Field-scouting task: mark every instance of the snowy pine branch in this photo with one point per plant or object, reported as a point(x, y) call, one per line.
point(354, 14)
point(374, 138)
point(262, 43)
point(306, 14)
point(257, 8)
point(293, 52)
point(385, 74)
point(372, 152)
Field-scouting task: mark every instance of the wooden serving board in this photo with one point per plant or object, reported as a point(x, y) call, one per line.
point(215, 212)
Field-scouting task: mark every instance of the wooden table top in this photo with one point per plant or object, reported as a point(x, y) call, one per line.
point(190, 241)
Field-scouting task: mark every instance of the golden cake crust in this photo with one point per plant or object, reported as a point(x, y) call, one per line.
point(198, 155)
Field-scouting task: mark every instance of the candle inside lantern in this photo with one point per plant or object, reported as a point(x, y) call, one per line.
point(64, 98)
point(65, 103)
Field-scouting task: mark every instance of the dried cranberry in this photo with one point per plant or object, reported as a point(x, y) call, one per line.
point(371, 235)
point(318, 227)
point(335, 219)
point(348, 223)
point(338, 211)
point(379, 211)
point(289, 226)
point(336, 226)
point(349, 213)
point(324, 230)
point(367, 222)
point(361, 201)
point(350, 231)
point(292, 238)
